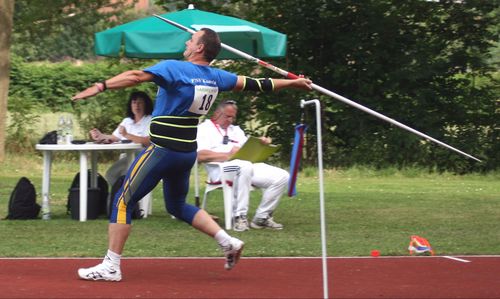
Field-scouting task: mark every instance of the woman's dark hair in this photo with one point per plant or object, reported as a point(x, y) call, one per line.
point(211, 41)
point(148, 103)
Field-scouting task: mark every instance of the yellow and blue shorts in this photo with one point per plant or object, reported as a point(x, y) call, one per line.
point(153, 164)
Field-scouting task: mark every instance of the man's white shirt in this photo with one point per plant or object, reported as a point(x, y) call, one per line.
point(210, 137)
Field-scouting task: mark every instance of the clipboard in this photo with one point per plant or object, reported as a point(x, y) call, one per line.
point(254, 151)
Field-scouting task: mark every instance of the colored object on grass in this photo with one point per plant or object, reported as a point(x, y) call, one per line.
point(375, 253)
point(420, 246)
point(298, 143)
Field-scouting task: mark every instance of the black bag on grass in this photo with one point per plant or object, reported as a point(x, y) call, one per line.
point(22, 202)
point(137, 213)
point(96, 197)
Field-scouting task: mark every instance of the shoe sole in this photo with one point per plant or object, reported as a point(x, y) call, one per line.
point(255, 226)
point(237, 256)
point(98, 279)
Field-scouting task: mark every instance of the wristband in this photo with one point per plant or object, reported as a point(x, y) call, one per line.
point(104, 85)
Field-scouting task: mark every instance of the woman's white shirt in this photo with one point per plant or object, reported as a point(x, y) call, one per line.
point(140, 128)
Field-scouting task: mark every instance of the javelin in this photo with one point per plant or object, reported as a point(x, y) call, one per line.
point(325, 91)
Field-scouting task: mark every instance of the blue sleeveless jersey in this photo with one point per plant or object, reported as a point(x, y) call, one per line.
point(187, 89)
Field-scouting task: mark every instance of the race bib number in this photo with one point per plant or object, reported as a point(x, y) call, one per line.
point(204, 97)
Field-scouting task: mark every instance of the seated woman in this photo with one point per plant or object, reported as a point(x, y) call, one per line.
point(135, 127)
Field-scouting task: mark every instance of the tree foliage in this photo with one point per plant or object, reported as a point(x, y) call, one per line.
point(414, 61)
point(426, 64)
point(6, 20)
point(60, 29)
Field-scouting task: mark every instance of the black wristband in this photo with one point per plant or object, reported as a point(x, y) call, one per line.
point(104, 86)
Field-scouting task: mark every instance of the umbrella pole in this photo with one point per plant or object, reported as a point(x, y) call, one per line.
point(324, 91)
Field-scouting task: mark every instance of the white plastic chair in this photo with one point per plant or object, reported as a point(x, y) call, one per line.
point(146, 204)
point(225, 183)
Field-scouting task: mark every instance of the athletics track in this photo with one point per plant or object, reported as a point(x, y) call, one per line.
point(369, 277)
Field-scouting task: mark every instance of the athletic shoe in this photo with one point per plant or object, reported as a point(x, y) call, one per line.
point(260, 223)
point(240, 223)
point(100, 272)
point(232, 252)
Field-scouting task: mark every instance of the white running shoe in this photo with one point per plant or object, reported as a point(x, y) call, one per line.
point(100, 272)
point(241, 223)
point(232, 252)
point(260, 223)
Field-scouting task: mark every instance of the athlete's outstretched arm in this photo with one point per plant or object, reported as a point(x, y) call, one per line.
point(125, 79)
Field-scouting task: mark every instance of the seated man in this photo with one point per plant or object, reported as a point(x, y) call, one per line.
point(218, 139)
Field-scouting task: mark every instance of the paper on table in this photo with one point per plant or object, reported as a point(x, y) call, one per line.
point(254, 151)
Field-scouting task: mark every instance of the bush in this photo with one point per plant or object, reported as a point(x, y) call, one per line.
point(43, 86)
point(21, 127)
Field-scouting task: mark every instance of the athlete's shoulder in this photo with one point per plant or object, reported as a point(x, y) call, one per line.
point(175, 62)
point(165, 64)
point(219, 70)
point(227, 80)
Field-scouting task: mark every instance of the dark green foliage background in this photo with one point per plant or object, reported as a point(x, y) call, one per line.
point(426, 64)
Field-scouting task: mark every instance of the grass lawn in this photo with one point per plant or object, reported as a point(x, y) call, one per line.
point(365, 210)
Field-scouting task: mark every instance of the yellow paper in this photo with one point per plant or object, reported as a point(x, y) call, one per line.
point(254, 151)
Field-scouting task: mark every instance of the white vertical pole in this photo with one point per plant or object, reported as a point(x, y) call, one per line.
point(316, 102)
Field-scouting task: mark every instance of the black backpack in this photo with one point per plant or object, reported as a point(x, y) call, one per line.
point(49, 138)
point(99, 195)
point(22, 202)
point(137, 213)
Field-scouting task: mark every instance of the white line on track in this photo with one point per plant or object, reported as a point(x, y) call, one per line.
point(456, 259)
point(283, 257)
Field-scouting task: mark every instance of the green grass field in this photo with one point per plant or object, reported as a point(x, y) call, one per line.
point(365, 210)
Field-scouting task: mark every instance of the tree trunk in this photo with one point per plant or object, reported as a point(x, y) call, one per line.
point(6, 15)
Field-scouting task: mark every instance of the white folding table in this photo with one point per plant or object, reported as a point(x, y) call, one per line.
point(84, 150)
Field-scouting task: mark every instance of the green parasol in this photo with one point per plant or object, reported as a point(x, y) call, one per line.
point(151, 38)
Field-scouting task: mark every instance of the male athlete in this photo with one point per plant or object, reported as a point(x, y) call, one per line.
point(186, 91)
